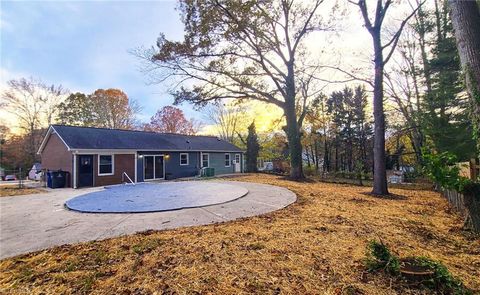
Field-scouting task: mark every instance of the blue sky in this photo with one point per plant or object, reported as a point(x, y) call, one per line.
point(84, 45)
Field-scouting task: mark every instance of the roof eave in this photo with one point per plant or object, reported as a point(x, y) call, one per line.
point(50, 131)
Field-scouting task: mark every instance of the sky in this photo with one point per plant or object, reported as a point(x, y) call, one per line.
point(85, 45)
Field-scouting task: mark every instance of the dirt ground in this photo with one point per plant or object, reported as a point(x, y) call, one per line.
point(13, 190)
point(315, 246)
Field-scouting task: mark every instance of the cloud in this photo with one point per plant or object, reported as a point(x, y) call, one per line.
point(85, 45)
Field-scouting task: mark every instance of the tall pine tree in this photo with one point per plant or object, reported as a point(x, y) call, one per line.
point(446, 121)
point(253, 148)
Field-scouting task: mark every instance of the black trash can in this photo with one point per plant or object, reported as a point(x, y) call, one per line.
point(57, 179)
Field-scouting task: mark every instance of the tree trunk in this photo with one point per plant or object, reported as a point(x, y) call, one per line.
point(307, 154)
point(336, 156)
point(379, 161)
point(472, 206)
point(466, 23)
point(326, 155)
point(294, 141)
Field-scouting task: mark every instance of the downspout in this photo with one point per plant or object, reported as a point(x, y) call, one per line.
point(74, 172)
point(136, 156)
point(200, 163)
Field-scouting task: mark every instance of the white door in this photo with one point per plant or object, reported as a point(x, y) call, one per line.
point(238, 165)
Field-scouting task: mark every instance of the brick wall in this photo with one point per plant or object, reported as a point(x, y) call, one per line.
point(55, 156)
point(122, 163)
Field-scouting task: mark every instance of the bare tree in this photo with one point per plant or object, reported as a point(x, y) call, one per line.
point(227, 118)
point(51, 97)
point(382, 53)
point(403, 86)
point(245, 50)
point(34, 105)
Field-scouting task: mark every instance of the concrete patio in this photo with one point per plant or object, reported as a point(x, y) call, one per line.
point(36, 222)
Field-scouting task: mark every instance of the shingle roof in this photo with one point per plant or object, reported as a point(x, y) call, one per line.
point(102, 138)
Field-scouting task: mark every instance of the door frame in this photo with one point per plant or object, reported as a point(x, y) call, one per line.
point(154, 176)
point(77, 171)
point(239, 163)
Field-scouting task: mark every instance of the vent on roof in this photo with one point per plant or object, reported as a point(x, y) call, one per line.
point(218, 138)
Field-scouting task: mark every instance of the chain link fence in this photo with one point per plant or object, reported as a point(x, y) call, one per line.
point(22, 177)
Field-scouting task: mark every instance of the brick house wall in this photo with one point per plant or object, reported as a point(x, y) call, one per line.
point(55, 156)
point(122, 163)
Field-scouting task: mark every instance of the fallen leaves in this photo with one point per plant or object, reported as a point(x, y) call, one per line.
point(315, 246)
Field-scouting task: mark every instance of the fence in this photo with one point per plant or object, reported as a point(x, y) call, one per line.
point(467, 205)
point(456, 199)
point(22, 177)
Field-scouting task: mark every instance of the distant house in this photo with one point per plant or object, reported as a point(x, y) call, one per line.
point(36, 172)
point(98, 156)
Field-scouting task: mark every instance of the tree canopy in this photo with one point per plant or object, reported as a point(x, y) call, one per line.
point(244, 50)
point(170, 119)
point(107, 108)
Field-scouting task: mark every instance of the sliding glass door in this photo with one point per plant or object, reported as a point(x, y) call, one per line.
point(153, 167)
point(159, 167)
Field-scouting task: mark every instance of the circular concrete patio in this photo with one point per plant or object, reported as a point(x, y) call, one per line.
point(156, 197)
point(40, 221)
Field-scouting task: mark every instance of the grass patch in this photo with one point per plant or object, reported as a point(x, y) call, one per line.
point(146, 246)
point(315, 246)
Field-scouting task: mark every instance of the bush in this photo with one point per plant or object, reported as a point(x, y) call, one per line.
point(441, 168)
point(310, 170)
point(380, 257)
point(442, 280)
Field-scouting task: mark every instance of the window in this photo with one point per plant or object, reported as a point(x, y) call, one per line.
point(183, 159)
point(205, 160)
point(237, 158)
point(105, 164)
point(227, 160)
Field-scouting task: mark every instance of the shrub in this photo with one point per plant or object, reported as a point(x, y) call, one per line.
point(442, 280)
point(380, 257)
point(441, 168)
point(310, 170)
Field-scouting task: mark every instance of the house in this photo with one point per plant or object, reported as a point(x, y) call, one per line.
point(36, 172)
point(100, 156)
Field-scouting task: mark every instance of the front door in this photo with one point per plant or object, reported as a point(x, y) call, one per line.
point(85, 170)
point(238, 164)
point(153, 167)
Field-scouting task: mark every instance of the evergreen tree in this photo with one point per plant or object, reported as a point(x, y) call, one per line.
point(350, 127)
point(363, 129)
point(446, 121)
point(253, 148)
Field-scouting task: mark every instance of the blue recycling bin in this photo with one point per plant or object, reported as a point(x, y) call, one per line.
point(56, 179)
point(49, 179)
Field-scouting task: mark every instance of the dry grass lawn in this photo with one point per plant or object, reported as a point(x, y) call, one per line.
point(314, 246)
point(13, 190)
